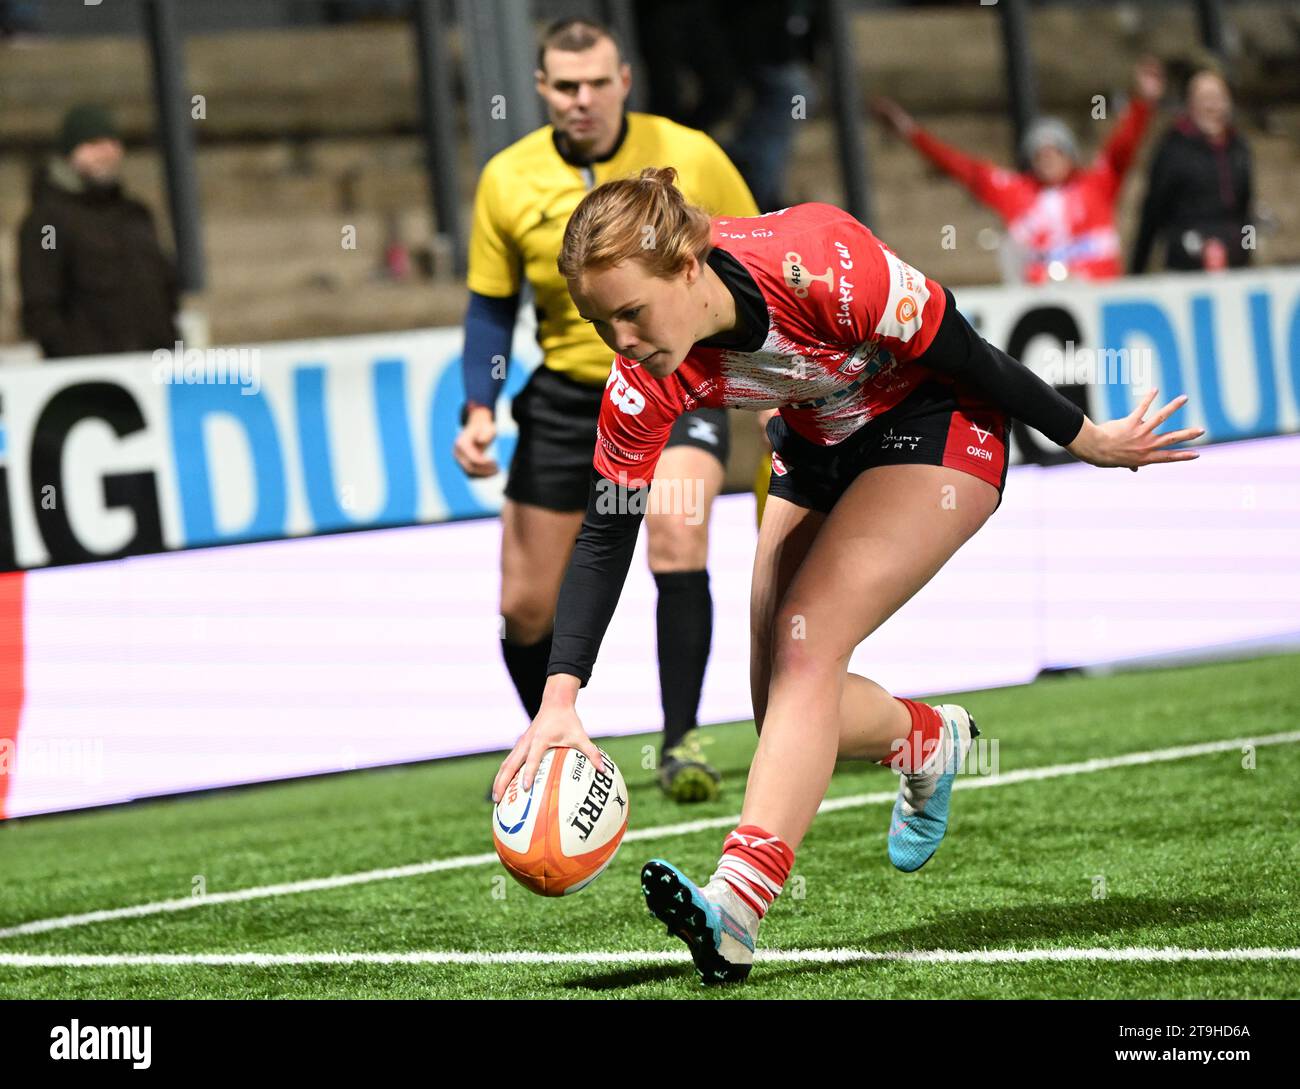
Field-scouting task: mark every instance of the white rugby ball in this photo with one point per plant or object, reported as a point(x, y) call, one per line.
point(558, 837)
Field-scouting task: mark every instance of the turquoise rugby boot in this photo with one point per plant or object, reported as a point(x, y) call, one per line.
point(717, 927)
point(920, 816)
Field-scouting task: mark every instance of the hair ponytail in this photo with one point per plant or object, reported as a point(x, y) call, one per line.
point(645, 218)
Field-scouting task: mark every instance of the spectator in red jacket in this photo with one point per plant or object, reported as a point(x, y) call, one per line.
point(1060, 215)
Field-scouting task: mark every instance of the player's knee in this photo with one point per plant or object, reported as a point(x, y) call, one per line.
point(793, 654)
point(526, 618)
point(675, 545)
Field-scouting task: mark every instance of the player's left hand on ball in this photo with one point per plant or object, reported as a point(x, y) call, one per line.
point(1131, 441)
point(554, 727)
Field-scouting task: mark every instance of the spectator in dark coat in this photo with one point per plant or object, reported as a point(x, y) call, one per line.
point(1198, 198)
point(94, 277)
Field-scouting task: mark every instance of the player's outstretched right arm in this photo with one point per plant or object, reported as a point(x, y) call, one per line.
point(592, 585)
point(636, 416)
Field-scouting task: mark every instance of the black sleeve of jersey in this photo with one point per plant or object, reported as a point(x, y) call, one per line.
point(597, 571)
point(958, 350)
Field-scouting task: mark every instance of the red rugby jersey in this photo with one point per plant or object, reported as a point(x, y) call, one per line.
point(846, 318)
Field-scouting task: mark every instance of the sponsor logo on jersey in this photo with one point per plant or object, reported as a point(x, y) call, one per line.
point(866, 352)
point(844, 316)
point(704, 389)
point(799, 278)
point(627, 398)
point(904, 310)
point(615, 449)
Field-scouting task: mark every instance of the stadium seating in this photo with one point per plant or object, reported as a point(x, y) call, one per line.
point(288, 153)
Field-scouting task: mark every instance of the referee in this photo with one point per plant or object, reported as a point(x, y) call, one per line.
point(525, 196)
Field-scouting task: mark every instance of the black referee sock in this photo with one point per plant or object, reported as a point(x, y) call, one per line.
point(685, 623)
point(527, 668)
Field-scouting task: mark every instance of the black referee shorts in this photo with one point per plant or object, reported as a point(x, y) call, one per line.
point(557, 418)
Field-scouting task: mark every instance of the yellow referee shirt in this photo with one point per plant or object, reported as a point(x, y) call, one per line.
point(526, 194)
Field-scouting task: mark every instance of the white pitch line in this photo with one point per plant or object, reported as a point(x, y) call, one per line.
point(637, 956)
point(461, 862)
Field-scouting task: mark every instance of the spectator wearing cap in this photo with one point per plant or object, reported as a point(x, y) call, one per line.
point(1060, 215)
point(94, 277)
point(1198, 198)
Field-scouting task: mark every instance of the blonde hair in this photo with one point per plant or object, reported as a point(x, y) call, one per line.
point(645, 219)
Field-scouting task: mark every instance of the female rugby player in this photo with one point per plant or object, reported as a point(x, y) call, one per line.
point(890, 452)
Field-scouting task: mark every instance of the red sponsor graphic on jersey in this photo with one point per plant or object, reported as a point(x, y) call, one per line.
point(800, 280)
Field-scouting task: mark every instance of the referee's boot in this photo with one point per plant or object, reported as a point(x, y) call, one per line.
point(684, 773)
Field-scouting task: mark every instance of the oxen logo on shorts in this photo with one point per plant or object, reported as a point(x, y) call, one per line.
point(800, 280)
point(625, 397)
point(778, 466)
point(978, 451)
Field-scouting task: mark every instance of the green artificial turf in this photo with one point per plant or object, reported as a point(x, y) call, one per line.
point(1195, 852)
